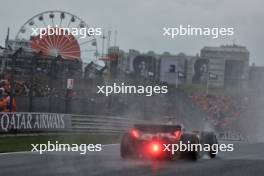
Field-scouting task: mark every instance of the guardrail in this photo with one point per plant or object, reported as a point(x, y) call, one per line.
point(101, 124)
point(231, 136)
point(33, 123)
point(17, 123)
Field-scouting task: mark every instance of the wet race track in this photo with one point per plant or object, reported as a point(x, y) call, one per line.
point(246, 159)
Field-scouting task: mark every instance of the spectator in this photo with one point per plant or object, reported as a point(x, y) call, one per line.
point(223, 111)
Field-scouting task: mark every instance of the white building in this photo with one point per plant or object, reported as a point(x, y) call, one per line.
point(229, 62)
point(172, 68)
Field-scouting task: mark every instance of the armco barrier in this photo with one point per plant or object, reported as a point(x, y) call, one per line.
point(30, 123)
point(231, 136)
point(101, 124)
point(13, 123)
point(24, 122)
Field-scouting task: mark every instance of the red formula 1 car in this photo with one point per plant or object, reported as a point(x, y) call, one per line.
point(158, 141)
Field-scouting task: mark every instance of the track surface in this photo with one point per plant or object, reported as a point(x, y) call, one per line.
point(246, 160)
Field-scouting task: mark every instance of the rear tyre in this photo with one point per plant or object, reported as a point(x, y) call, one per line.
point(127, 147)
point(190, 139)
point(210, 138)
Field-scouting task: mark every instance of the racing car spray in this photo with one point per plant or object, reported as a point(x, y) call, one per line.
point(170, 141)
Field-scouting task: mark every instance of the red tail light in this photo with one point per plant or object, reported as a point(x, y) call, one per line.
point(155, 148)
point(177, 134)
point(135, 133)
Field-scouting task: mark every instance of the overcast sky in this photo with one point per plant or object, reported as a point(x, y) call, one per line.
point(140, 23)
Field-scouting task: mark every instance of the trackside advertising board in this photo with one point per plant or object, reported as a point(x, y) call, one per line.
point(34, 122)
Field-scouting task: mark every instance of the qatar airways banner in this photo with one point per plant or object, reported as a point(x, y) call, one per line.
point(34, 122)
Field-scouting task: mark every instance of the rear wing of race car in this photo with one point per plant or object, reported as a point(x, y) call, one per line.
point(157, 128)
point(153, 129)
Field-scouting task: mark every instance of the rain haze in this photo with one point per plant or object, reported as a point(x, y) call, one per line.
point(90, 104)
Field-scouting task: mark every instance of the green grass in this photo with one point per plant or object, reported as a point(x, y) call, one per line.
point(23, 143)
